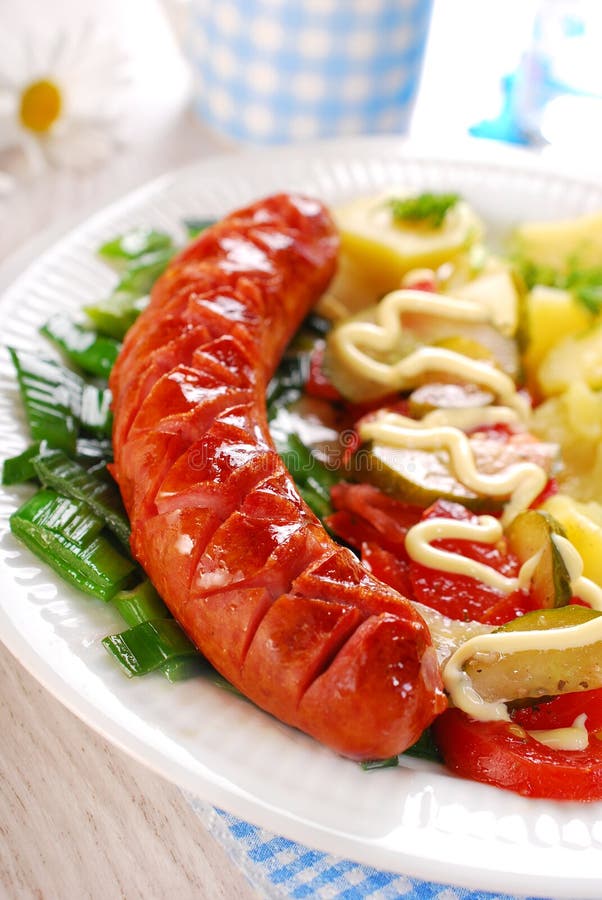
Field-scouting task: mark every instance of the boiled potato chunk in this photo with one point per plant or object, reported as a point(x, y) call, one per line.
point(550, 315)
point(582, 523)
point(353, 288)
point(377, 250)
point(575, 358)
point(447, 395)
point(560, 244)
point(573, 420)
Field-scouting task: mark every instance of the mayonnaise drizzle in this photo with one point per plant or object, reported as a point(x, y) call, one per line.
point(575, 737)
point(469, 419)
point(458, 684)
point(523, 481)
point(385, 333)
point(486, 529)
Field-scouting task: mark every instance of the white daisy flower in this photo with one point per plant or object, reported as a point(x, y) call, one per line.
point(58, 104)
point(6, 183)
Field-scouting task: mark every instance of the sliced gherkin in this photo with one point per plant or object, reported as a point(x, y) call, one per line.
point(531, 533)
point(539, 673)
point(447, 395)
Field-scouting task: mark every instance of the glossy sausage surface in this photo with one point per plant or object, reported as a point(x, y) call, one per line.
point(284, 613)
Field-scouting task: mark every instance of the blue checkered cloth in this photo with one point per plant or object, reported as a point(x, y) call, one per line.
point(280, 868)
point(275, 71)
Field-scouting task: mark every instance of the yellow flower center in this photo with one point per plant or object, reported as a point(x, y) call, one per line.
point(41, 104)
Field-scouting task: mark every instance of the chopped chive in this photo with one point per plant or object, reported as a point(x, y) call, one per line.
point(66, 535)
point(50, 393)
point(96, 452)
point(92, 352)
point(184, 667)
point(369, 765)
point(58, 402)
point(320, 507)
point(304, 465)
point(140, 604)
point(195, 226)
point(71, 519)
point(286, 386)
point(134, 244)
point(140, 276)
point(116, 314)
point(18, 469)
point(313, 479)
point(94, 411)
point(147, 646)
point(424, 748)
point(56, 470)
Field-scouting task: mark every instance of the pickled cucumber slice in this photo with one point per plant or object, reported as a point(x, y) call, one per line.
point(446, 395)
point(482, 341)
point(423, 476)
point(583, 525)
point(539, 673)
point(466, 346)
point(415, 476)
point(531, 533)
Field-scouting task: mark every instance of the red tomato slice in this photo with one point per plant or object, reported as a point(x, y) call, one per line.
point(504, 755)
point(318, 383)
point(549, 490)
point(461, 596)
point(561, 711)
point(378, 518)
point(354, 530)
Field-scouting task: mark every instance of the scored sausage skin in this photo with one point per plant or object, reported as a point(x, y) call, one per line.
point(289, 617)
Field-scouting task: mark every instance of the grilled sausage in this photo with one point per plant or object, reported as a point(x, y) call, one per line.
point(284, 613)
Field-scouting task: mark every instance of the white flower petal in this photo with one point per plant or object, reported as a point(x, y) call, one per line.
point(11, 135)
point(34, 151)
point(56, 51)
point(79, 146)
point(12, 63)
point(7, 183)
point(92, 59)
point(9, 106)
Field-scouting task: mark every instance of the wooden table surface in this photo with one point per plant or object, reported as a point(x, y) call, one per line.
point(80, 819)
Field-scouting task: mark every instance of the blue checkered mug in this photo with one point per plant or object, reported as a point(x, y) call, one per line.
point(276, 71)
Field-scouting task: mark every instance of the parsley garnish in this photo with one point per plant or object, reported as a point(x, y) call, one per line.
point(584, 284)
point(590, 296)
point(431, 209)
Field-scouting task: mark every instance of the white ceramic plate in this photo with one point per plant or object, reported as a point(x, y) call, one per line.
point(418, 819)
